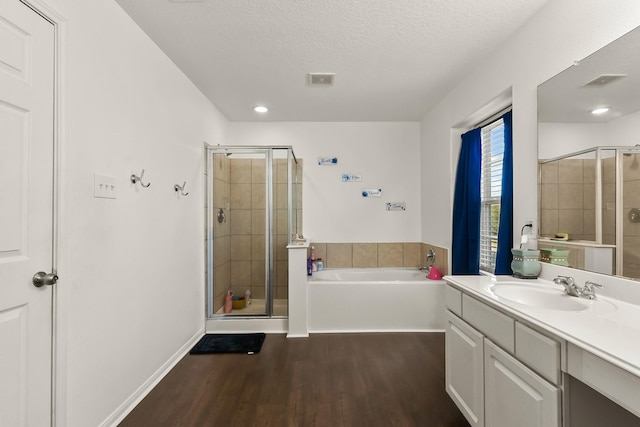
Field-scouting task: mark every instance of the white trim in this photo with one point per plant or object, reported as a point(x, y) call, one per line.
point(136, 397)
point(58, 335)
point(227, 325)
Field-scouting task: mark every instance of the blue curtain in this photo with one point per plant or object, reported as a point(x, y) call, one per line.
point(465, 257)
point(505, 230)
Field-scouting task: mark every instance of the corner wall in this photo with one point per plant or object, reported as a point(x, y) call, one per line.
point(131, 289)
point(560, 33)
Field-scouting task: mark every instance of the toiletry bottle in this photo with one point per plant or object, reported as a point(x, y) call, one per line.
point(247, 297)
point(320, 264)
point(311, 261)
point(228, 302)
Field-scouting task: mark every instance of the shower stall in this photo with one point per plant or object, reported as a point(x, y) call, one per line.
point(253, 210)
point(592, 195)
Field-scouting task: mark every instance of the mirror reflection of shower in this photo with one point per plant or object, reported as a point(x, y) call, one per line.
point(253, 209)
point(590, 196)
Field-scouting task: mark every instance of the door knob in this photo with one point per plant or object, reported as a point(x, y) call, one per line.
point(41, 278)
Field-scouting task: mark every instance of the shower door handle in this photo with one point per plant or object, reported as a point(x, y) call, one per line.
point(41, 278)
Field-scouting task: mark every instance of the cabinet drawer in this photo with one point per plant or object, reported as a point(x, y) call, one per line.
point(453, 299)
point(539, 352)
point(495, 325)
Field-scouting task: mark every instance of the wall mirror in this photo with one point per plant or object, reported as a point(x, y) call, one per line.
point(589, 162)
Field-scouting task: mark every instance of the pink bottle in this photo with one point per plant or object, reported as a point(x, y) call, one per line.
point(228, 302)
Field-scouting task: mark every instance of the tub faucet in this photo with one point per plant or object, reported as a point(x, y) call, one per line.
point(431, 259)
point(569, 285)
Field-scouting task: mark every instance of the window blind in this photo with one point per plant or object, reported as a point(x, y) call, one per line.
point(490, 192)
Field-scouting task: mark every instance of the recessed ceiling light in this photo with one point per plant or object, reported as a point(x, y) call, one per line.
point(600, 110)
point(260, 109)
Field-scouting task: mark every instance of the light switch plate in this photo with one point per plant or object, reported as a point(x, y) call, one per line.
point(104, 186)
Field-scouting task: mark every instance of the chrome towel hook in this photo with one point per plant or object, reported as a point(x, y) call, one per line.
point(181, 188)
point(135, 178)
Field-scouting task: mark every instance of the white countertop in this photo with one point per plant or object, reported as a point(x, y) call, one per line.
point(612, 333)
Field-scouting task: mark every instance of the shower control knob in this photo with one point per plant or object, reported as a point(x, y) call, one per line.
point(41, 278)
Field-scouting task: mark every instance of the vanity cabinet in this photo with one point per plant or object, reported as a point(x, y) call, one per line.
point(483, 374)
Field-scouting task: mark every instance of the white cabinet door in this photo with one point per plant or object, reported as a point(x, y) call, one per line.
point(464, 369)
point(26, 173)
point(516, 395)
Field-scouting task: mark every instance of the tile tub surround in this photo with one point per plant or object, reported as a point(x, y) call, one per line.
point(372, 255)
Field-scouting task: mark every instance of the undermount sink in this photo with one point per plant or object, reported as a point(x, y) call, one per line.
point(546, 297)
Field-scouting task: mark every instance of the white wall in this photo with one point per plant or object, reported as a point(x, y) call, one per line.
point(561, 32)
point(556, 139)
point(624, 131)
point(385, 153)
point(132, 270)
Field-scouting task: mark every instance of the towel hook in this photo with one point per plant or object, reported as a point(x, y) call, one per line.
point(181, 188)
point(135, 178)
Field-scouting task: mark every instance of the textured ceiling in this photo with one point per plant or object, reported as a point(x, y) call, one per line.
point(393, 59)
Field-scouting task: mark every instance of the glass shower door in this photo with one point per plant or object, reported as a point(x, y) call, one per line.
point(239, 258)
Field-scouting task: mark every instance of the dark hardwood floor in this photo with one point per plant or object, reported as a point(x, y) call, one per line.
point(325, 380)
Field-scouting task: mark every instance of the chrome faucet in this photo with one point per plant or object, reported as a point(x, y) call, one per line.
point(431, 259)
point(569, 285)
point(588, 290)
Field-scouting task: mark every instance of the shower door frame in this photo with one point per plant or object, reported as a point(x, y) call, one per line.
point(269, 222)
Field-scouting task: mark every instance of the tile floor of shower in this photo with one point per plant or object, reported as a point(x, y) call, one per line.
point(257, 307)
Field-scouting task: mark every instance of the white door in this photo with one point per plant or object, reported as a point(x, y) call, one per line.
point(26, 236)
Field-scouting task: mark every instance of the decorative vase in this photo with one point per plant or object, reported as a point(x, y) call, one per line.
point(525, 264)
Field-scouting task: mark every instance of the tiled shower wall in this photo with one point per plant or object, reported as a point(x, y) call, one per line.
point(368, 255)
point(631, 230)
point(239, 242)
point(221, 231)
point(567, 199)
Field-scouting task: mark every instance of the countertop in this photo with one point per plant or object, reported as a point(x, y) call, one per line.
point(612, 334)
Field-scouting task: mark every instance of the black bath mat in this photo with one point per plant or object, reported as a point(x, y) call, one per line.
point(229, 343)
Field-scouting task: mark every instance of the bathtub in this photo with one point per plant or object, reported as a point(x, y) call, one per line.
point(374, 300)
point(370, 275)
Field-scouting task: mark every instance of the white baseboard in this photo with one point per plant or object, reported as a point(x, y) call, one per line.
point(136, 397)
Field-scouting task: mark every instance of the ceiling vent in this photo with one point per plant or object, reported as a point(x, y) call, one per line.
point(604, 79)
point(321, 79)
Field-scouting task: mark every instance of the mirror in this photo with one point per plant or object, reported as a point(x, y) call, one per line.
point(589, 162)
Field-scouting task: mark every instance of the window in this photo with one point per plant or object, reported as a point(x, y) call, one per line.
point(490, 192)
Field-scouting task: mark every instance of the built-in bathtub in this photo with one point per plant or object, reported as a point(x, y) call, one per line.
point(374, 300)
